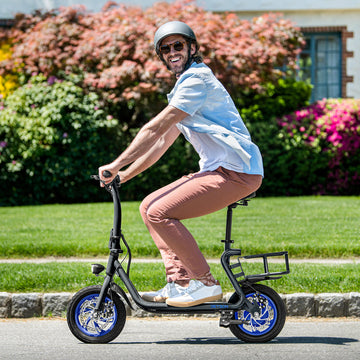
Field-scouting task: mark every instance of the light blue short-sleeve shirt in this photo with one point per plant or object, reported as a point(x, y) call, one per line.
point(214, 126)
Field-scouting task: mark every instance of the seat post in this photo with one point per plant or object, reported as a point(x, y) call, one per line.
point(242, 202)
point(227, 242)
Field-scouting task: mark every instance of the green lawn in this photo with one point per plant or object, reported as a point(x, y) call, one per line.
point(71, 277)
point(308, 227)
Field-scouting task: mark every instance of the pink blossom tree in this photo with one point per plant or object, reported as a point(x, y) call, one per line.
point(113, 53)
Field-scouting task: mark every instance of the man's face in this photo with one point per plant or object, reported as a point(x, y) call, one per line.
point(177, 57)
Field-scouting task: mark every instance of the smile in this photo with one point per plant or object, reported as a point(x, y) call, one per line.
point(174, 60)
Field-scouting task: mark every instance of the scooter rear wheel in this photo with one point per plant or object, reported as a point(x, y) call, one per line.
point(91, 327)
point(268, 324)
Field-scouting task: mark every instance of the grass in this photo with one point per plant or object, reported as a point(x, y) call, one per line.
point(307, 227)
point(71, 277)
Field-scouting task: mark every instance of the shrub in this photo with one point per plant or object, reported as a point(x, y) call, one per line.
point(330, 128)
point(52, 137)
point(278, 98)
point(280, 155)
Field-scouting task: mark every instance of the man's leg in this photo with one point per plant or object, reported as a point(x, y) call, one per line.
point(191, 196)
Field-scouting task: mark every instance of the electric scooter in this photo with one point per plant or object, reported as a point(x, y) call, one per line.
point(254, 313)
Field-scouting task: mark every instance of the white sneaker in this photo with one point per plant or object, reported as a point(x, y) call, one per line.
point(197, 293)
point(170, 289)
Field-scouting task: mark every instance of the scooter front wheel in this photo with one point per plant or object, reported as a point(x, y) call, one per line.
point(92, 326)
point(266, 325)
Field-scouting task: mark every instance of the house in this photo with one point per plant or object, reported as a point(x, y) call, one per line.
point(330, 60)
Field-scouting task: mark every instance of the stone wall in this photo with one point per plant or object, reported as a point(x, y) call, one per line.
point(305, 305)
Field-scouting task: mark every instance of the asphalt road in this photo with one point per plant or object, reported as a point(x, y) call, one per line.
point(173, 338)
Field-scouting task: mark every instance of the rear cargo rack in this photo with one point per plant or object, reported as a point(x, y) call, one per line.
point(282, 260)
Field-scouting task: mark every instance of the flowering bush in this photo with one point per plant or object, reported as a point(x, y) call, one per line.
point(331, 127)
point(9, 82)
point(5, 52)
point(113, 49)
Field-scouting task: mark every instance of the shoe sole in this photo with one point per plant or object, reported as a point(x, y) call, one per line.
point(172, 302)
point(153, 298)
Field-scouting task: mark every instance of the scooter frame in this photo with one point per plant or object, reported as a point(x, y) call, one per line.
point(114, 266)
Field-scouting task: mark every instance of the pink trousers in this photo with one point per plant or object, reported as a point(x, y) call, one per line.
point(191, 196)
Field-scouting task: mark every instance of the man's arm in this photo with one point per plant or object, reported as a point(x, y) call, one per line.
point(146, 139)
point(150, 157)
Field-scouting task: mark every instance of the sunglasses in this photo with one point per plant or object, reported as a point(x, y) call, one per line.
point(177, 45)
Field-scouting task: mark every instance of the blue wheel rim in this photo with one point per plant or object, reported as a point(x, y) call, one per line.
point(88, 324)
point(264, 322)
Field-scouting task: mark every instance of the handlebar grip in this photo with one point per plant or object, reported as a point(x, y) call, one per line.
point(107, 174)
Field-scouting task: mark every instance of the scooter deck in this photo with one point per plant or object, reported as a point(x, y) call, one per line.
point(163, 308)
point(206, 308)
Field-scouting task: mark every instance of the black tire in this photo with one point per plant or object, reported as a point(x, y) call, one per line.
point(271, 320)
point(97, 330)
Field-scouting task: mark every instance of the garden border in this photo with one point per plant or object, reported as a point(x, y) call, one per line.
point(327, 305)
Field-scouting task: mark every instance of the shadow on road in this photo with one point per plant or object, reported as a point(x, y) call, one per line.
point(229, 341)
point(314, 340)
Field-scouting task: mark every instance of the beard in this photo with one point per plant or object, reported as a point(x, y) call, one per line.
point(178, 63)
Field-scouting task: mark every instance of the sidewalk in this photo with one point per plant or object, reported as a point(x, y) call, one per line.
point(158, 260)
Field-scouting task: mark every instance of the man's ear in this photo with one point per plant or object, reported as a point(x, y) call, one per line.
point(193, 49)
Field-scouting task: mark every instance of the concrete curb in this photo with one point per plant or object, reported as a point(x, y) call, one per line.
point(302, 304)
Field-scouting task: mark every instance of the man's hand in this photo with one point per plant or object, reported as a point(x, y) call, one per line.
point(111, 169)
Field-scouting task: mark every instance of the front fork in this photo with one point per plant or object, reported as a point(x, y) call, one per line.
point(110, 271)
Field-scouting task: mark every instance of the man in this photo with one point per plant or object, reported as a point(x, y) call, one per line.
point(230, 165)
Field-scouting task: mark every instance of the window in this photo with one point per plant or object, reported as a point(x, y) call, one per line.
point(321, 64)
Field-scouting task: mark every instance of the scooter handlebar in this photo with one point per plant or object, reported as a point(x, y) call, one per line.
point(107, 174)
